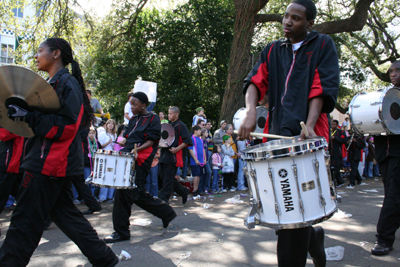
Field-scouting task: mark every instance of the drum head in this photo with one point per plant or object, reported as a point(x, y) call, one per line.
point(390, 113)
point(284, 148)
point(167, 135)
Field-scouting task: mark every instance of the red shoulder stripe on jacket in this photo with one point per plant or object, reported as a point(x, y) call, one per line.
point(6, 135)
point(52, 132)
point(59, 151)
point(18, 145)
point(322, 126)
point(316, 87)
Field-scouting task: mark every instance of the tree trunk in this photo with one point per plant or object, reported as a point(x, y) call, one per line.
point(240, 58)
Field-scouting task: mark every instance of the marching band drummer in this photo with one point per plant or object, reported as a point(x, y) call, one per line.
point(387, 154)
point(144, 129)
point(54, 157)
point(301, 77)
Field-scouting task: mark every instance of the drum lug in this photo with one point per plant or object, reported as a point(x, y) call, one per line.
point(375, 103)
point(294, 168)
point(253, 175)
point(250, 220)
point(321, 197)
point(105, 167)
point(376, 121)
point(271, 176)
point(115, 170)
point(97, 167)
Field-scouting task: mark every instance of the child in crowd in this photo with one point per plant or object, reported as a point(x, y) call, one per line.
point(120, 132)
point(93, 146)
point(197, 160)
point(200, 115)
point(107, 141)
point(216, 167)
point(207, 177)
point(162, 117)
point(228, 173)
point(152, 179)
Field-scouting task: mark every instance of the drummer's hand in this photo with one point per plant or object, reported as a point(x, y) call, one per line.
point(134, 154)
point(311, 133)
point(248, 125)
point(173, 150)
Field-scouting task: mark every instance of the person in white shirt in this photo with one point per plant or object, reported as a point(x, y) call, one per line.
point(128, 110)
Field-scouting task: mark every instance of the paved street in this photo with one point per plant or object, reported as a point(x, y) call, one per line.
point(217, 237)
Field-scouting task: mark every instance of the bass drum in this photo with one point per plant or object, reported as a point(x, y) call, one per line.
point(262, 114)
point(376, 112)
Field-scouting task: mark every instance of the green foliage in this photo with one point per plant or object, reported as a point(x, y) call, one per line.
point(185, 51)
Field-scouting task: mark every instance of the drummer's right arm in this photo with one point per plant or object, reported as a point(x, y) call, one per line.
point(249, 121)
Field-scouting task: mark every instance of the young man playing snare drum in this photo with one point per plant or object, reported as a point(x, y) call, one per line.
point(300, 76)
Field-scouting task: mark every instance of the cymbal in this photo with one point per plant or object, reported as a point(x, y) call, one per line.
point(22, 86)
point(167, 135)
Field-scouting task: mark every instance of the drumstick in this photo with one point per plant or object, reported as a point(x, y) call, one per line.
point(267, 135)
point(303, 126)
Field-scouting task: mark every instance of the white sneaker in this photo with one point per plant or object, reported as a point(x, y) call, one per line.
point(350, 186)
point(232, 189)
point(76, 202)
point(224, 190)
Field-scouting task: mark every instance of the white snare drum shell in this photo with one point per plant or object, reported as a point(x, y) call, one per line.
point(376, 112)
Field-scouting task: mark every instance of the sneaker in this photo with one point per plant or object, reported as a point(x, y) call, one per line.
point(243, 189)
point(232, 189)
point(224, 190)
point(205, 191)
point(339, 185)
point(76, 202)
point(102, 200)
point(350, 186)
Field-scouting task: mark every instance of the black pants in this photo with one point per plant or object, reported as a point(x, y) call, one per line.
point(354, 173)
point(293, 246)
point(42, 196)
point(168, 183)
point(335, 165)
point(124, 198)
point(85, 193)
point(228, 180)
point(389, 218)
point(9, 185)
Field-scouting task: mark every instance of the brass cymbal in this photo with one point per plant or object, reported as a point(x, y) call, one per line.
point(167, 135)
point(22, 86)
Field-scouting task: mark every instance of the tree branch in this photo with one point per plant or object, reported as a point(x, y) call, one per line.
point(355, 23)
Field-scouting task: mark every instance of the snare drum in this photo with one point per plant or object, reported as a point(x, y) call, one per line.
point(376, 112)
point(290, 184)
point(113, 169)
point(262, 114)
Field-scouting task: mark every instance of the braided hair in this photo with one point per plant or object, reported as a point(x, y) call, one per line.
point(67, 58)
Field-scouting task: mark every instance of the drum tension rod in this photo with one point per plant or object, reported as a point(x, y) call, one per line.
point(321, 197)
point(294, 168)
point(271, 176)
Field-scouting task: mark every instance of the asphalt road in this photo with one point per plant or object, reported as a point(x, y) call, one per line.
point(217, 237)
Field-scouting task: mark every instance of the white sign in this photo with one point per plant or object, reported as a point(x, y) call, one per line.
point(149, 88)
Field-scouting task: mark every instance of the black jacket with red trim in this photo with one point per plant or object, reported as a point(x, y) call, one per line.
point(386, 146)
point(355, 148)
point(142, 128)
point(291, 79)
point(335, 145)
point(182, 135)
point(56, 148)
point(11, 152)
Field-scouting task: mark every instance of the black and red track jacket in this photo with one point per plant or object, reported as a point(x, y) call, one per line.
point(336, 145)
point(56, 148)
point(182, 135)
point(142, 128)
point(11, 152)
point(291, 79)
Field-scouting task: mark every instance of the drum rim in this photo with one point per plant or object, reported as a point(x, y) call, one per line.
point(113, 153)
point(115, 187)
point(380, 115)
point(301, 224)
point(289, 151)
